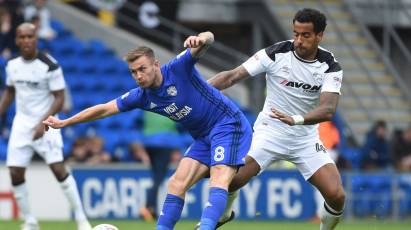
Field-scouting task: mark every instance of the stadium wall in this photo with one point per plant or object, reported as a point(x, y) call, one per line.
point(119, 192)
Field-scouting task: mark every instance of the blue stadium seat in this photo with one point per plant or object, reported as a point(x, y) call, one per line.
point(353, 155)
point(69, 46)
point(3, 149)
point(82, 100)
point(381, 188)
point(111, 65)
point(111, 138)
point(69, 64)
point(98, 49)
point(361, 205)
point(2, 70)
point(60, 29)
point(404, 184)
point(91, 66)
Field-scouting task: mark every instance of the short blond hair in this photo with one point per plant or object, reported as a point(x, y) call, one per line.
point(138, 52)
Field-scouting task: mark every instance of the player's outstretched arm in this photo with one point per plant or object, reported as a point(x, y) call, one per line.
point(199, 44)
point(323, 112)
point(89, 114)
point(228, 78)
point(6, 99)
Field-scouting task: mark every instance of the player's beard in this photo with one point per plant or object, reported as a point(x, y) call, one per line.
point(303, 52)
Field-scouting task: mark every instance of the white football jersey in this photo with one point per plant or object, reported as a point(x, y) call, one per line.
point(294, 85)
point(33, 80)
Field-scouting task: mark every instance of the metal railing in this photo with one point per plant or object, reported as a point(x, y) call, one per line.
point(219, 56)
point(359, 60)
point(383, 194)
point(373, 43)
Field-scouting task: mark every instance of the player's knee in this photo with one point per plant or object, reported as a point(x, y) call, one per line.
point(177, 186)
point(59, 171)
point(17, 176)
point(235, 184)
point(340, 197)
point(336, 198)
point(221, 176)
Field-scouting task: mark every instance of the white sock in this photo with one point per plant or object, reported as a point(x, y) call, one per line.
point(329, 217)
point(69, 188)
point(229, 207)
point(22, 198)
point(319, 200)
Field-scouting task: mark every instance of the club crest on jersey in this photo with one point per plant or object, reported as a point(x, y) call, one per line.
point(172, 91)
point(285, 69)
point(318, 78)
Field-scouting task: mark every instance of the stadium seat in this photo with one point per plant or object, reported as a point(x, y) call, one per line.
point(60, 29)
point(68, 46)
point(404, 184)
point(361, 203)
point(98, 49)
point(381, 200)
point(2, 69)
point(3, 149)
point(353, 155)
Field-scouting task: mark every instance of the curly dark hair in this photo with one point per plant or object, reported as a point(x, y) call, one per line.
point(314, 16)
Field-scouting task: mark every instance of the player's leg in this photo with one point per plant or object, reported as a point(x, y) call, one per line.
point(49, 147)
point(328, 181)
point(188, 172)
point(230, 143)
point(244, 174)
point(263, 152)
point(220, 178)
point(18, 159)
point(317, 167)
point(159, 160)
point(241, 178)
point(69, 187)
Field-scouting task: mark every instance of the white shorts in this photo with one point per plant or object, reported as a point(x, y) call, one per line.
point(21, 148)
point(307, 153)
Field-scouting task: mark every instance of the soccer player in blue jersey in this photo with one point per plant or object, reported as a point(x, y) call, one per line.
point(176, 90)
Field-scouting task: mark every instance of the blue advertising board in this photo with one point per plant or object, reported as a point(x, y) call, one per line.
point(120, 193)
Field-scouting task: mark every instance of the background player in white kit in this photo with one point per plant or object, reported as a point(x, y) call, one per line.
point(36, 81)
point(303, 86)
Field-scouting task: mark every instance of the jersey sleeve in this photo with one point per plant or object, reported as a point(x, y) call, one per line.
point(9, 82)
point(184, 60)
point(257, 63)
point(130, 100)
point(56, 80)
point(332, 82)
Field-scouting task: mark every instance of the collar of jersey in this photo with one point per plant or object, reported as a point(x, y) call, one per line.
point(303, 60)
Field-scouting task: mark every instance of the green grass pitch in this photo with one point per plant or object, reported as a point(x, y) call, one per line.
point(236, 225)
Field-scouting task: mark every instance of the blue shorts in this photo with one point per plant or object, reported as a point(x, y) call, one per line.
point(228, 143)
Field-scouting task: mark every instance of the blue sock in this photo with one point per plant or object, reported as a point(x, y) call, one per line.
point(215, 206)
point(172, 208)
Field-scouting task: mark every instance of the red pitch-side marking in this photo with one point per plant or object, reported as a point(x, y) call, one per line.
point(9, 196)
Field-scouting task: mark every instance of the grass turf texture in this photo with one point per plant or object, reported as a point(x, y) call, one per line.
point(236, 225)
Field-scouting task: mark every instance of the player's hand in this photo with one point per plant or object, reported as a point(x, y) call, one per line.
point(282, 117)
point(39, 130)
point(53, 122)
point(194, 42)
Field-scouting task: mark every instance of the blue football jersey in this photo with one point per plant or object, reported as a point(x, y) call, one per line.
point(184, 96)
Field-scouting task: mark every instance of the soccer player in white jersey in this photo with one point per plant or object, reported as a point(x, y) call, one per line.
point(36, 81)
point(303, 86)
